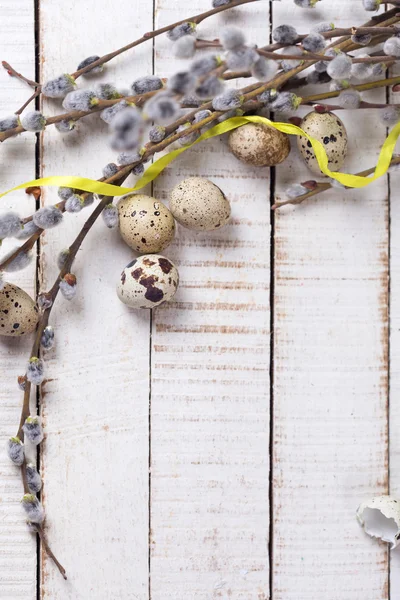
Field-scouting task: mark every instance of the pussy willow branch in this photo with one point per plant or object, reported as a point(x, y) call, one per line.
point(154, 148)
point(145, 37)
point(324, 186)
point(250, 93)
point(377, 25)
point(43, 322)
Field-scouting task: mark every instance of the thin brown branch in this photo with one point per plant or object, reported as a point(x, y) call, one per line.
point(152, 34)
point(13, 73)
point(323, 187)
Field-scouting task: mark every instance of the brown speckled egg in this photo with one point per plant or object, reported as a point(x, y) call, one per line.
point(330, 131)
point(145, 224)
point(199, 204)
point(259, 145)
point(18, 312)
point(148, 281)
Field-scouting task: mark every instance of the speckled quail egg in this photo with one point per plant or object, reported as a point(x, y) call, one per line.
point(18, 312)
point(330, 131)
point(199, 204)
point(259, 145)
point(148, 281)
point(145, 224)
point(380, 517)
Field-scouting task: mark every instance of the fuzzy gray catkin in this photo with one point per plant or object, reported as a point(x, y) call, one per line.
point(59, 87)
point(185, 47)
point(33, 479)
point(264, 70)
point(33, 121)
point(80, 100)
point(7, 123)
point(15, 450)
point(62, 257)
point(68, 286)
point(35, 370)
point(126, 129)
point(110, 170)
point(314, 42)
point(149, 83)
point(110, 216)
point(47, 217)
point(212, 86)
point(392, 47)
point(349, 99)
point(340, 67)
point(242, 58)
point(295, 190)
point(231, 37)
point(181, 30)
point(47, 339)
point(74, 204)
point(88, 61)
point(21, 260)
point(162, 108)
point(10, 224)
point(157, 134)
point(181, 83)
point(187, 140)
point(33, 430)
point(228, 100)
point(204, 65)
point(33, 508)
point(108, 114)
point(44, 301)
point(65, 126)
point(285, 34)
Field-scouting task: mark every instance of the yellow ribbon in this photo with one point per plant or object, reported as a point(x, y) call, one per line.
point(108, 189)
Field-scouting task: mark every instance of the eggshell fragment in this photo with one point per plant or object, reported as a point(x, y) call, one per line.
point(259, 145)
point(199, 204)
point(18, 312)
point(145, 223)
point(148, 281)
point(380, 518)
point(328, 129)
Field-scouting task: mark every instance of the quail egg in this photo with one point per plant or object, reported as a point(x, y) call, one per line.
point(148, 281)
point(330, 131)
point(18, 312)
point(199, 204)
point(145, 224)
point(259, 145)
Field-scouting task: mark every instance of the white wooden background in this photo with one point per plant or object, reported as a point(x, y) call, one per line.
point(171, 471)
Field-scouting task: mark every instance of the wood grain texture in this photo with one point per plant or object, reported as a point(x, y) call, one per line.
point(394, 409)
point(17, 546)
point(330, 367)
point(95, 402)
point(210, 375)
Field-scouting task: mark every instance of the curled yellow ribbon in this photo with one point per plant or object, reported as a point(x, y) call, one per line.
point(108, 189)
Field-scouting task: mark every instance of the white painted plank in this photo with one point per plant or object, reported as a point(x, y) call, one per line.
point(17, 546)
point(394, 374)
point(210, 375)
point(330, 368)
point(95, 405)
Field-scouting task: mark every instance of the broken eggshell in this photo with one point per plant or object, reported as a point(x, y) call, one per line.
point(380, 518)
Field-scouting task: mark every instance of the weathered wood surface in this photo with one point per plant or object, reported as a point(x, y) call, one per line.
point(186, 392)
point(330, 367)
point(95, 404)
point(210, 376)
point(17, 546)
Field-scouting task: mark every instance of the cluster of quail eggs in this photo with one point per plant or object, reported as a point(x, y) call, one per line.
point(260, 145)
point(148, 227)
